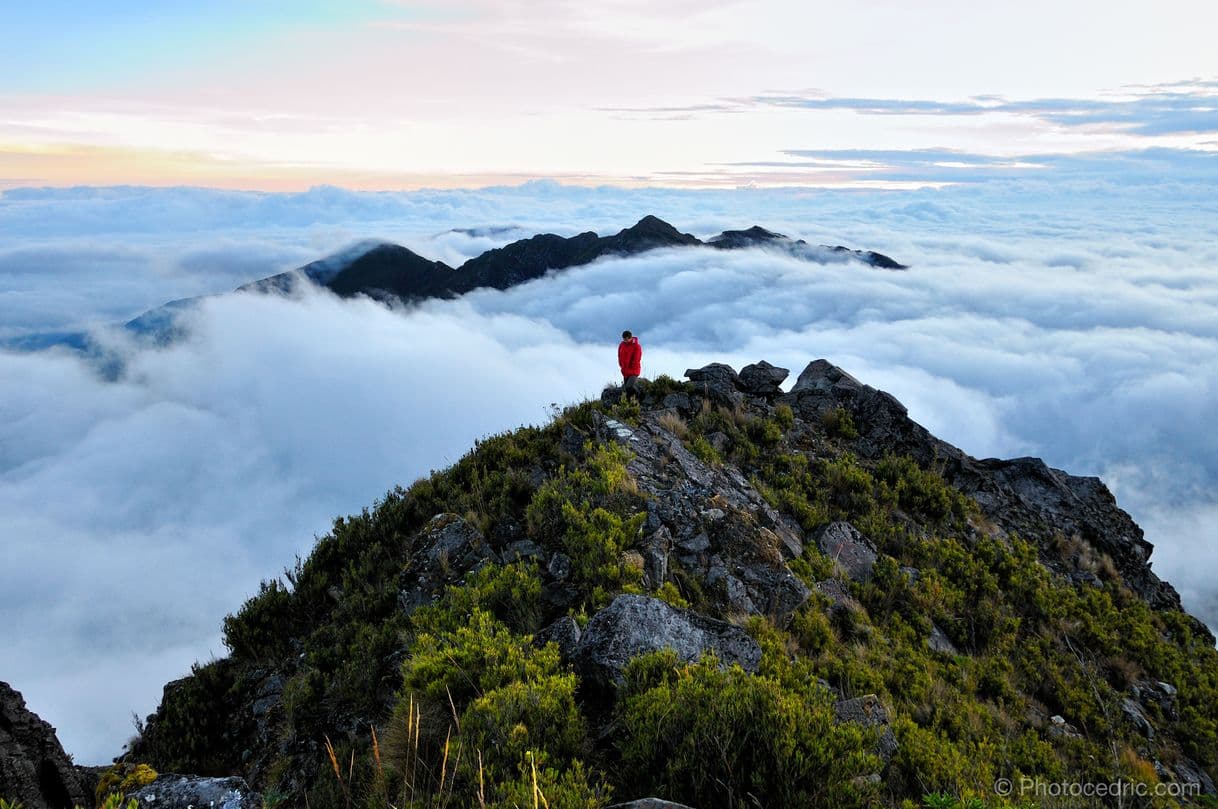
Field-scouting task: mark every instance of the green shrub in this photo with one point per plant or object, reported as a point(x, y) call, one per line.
point(122, 778)
point(839, 423)
point(714, 737)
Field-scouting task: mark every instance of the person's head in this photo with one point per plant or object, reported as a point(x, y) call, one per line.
point(626, 335)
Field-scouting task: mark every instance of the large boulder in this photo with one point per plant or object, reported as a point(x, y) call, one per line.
point(650, 803)
point(718, 382)
point(34, 770)
point(762, 379)
point(171, 791)
point(634, 625)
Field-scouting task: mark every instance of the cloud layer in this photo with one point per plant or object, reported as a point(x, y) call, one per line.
point(1076, 322)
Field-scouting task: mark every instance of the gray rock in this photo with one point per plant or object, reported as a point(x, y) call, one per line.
point(633, 625)
point(170, 791)
point(564, 632)
point(1059, 728)
point(559, 566)
point(940, 642)
point(649, 803)
point(850, 551)
point(1133, 712)
point(718, 382)
point(449, 542)
point(34, 770)
point(679, 402)
point(762, 379)
point(523, 549)
point(869, 712)
point(822, 376)
point(1189, 773)
point(447, 548)
point(838, 596)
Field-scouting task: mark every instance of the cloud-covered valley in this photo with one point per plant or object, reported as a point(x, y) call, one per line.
point(1079, 326)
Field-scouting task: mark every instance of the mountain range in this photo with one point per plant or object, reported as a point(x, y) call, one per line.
point(386, 271)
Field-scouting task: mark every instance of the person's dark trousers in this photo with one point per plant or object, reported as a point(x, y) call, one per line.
point(630, 386)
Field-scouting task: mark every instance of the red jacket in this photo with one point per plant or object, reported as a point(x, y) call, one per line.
point(630, 357)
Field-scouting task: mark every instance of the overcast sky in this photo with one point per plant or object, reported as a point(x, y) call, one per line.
point(395, 94)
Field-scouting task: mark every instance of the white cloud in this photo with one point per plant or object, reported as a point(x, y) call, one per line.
point(1078, 326)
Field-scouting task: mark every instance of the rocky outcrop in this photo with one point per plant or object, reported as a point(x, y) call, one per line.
point(634, 625)
point(34, 770)
point(171, 791)
point(712, 524)
point(650, 803)
point(1023, 495)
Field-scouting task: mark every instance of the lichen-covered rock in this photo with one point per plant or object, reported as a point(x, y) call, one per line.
point(34, 770)
point(171, 791)
point(633, 625)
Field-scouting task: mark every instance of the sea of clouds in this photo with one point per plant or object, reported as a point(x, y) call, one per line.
point(1077, 322)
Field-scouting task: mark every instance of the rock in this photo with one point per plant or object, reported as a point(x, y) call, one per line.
point(1133, 712)
point(448, 542)
point(679, 402)
point(718, 382)
point(1189, 773)
point(564, 632)
point(838, 596)
point(1059, 728)
point(869, 712)
point(649, 803)
point(447, 548)
point(761, 379)
point(171, 791)
point(523, 549)
point(34, 769)
point(940, 642)
point(559, 566)
point(850, 551)
point(633, 625)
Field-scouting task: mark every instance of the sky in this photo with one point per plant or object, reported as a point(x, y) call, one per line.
point(386, 94)
point(1047, 169)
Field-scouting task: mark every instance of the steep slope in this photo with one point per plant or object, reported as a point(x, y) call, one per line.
point(724, 595)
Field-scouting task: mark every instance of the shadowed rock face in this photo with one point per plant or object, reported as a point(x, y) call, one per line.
point(34, 770)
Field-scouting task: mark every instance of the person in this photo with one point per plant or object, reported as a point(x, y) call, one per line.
point(630, 360)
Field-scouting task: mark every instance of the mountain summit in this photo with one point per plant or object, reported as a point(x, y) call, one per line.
point(721, 594)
